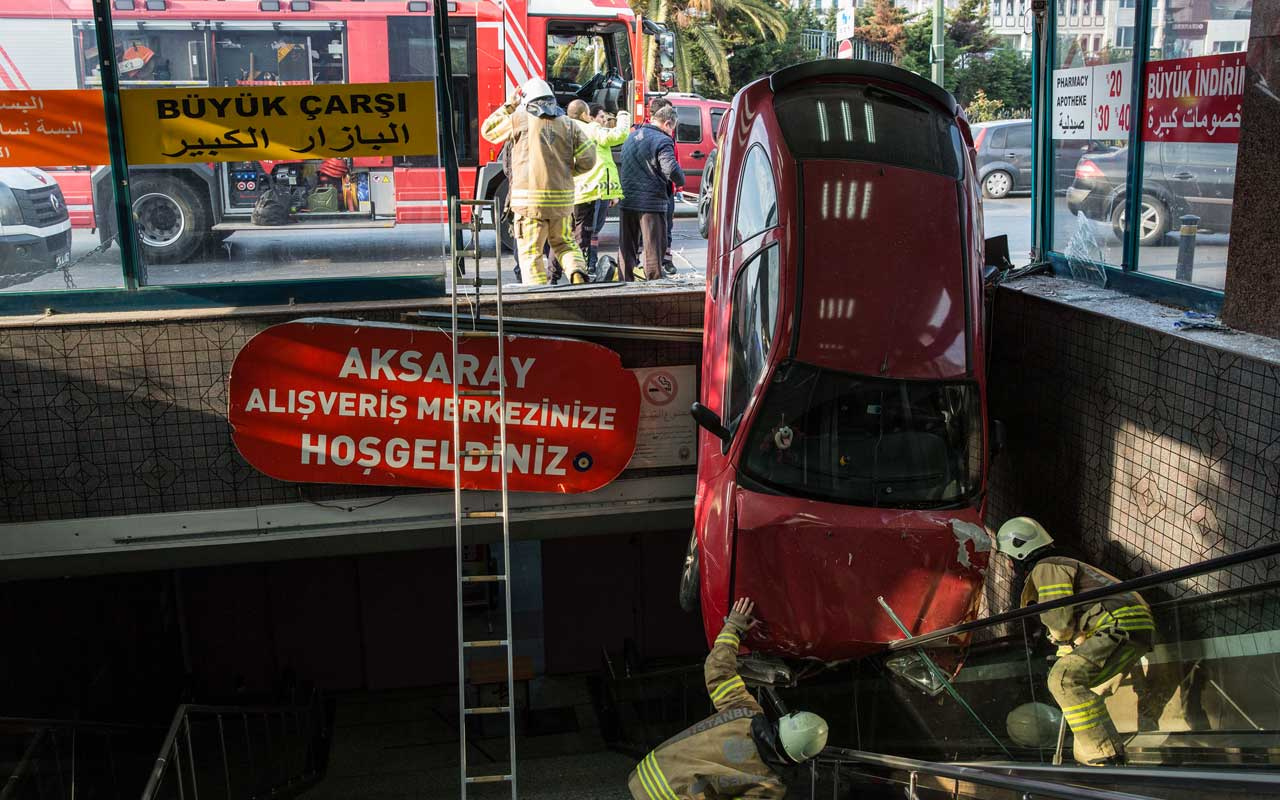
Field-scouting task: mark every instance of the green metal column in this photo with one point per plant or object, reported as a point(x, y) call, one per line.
point(939, 47)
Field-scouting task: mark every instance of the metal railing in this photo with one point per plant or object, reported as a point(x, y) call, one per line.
point(240, 753)
point(58, 759)
point(833, 758)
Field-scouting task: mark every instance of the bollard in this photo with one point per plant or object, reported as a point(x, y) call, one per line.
point(1190, 225)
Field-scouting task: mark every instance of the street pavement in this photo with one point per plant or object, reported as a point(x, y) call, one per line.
point(419, 249)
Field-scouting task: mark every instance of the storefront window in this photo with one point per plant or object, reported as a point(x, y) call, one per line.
point(1194, 90)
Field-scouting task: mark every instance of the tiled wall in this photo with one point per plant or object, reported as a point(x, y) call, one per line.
point(1145, 449)
point(108, 419)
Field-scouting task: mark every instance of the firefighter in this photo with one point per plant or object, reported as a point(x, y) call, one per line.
point(736, 752)
point(547, 150)
point(1096, 642)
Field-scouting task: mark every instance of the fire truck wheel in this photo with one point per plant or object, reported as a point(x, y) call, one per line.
point(508, 234)
point(173, 221)
point(690, 577)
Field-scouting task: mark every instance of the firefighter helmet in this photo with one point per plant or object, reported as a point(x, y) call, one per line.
point(1020, 537)
point(803, 735)
point(1034, 724)
point(536, 89)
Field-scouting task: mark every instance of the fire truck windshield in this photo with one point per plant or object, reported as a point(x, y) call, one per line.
point(867, 441)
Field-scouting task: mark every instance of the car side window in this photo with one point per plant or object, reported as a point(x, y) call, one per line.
point(753, 324)
point(997, 138)
point(717, 114)
point(688, 124)
point(757, 198)
point(1020, 137)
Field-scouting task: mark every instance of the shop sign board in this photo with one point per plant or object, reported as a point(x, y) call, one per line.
point(1194, 99)
point(1093, 102)
point(279, 123)
point(52, 128)
point(336, 401)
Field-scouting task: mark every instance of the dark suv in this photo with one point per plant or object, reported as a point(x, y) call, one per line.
point(1179, 178)
point(1004, 157)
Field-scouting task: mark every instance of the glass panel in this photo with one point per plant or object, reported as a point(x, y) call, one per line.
point(1195, 85)
point(55, 190)
point(755, 317)
point(866, 124)
point(1090, 123)
point(717, 114)
point(757, 198)
point(269, 145)
point(688, 124)
point(865, 441)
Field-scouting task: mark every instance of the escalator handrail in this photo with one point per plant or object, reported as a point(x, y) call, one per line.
point(1101, 593)
point(1026, 786)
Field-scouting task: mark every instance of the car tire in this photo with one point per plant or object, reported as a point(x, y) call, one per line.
point(690, 577)
point(1155, 220)
point(997, 184)
point(171, 218)
point(704, 196)
point(506, 231)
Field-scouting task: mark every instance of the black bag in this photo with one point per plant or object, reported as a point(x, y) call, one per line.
point(607, 270)
point(271, 209)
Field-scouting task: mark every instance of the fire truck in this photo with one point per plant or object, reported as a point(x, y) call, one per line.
point(589, 49)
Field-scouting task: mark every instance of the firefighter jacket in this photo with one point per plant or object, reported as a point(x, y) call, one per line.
point(547, 150)
point(1056, 577)
point(601, 182)
point(733, 753)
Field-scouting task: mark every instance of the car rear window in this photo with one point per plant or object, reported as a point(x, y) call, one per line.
point(867, 123)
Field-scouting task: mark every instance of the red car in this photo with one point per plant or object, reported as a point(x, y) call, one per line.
point(843, 448)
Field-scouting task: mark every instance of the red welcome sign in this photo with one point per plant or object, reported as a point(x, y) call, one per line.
point(1194, 99)
point(335, 401)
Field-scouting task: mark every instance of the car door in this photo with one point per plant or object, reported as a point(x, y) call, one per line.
point(1181, 178)
point(1018, 153)
point(690, 152)
point(1214, 167)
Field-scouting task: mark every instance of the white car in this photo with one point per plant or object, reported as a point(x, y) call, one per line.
point(35, 230)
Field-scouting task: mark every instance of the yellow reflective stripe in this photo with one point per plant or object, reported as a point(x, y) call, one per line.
point(1082, 728)
point(1054, 593)
point(726, 687)
point(1086, 713)
point(660, 780)
point(1085, 704)
point(649, 780)
point(1087, 722)
point(1056, 586)
point(728, 638)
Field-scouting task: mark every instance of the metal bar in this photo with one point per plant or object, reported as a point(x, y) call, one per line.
point(1234, 705)
point(1137, 152)
point(983, 777)
point(166, 747)
point(1132, 585)
point(454, 216)
point(191, 762)
point(558, 327)
point(1211, 782)
point(226, 766)
point(506, 504)
point(937, 673)
point(11, 785)
point(177, 768)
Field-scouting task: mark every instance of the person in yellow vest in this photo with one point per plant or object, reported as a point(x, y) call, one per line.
point(547, 150)
point(594, 190)
point(737, 751)
point(1096, 642)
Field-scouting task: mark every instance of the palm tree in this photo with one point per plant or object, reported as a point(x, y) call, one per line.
point(698, 23)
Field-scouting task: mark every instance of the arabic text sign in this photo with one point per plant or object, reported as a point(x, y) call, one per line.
point(48, 128)
point(1194, 99)
point(334, 401)
point(279, 123)
point(1092, 102)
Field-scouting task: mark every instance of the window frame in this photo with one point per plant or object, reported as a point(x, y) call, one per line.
point(726, 415)
point(1125, 277)
point(737, 204)
point(696, 112)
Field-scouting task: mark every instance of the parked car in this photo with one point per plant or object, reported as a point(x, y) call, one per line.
point(1178, 178)
point(1004, 157)
point(697, 120)
point(35, 229)
point(843, 445)
point(707, 186)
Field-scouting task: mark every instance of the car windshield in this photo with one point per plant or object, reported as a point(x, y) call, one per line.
point(867, 123)
point(867, 441)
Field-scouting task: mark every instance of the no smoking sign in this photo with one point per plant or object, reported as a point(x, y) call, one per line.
point(660, 388)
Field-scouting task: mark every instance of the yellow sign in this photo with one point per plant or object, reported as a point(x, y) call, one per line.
point(279, 123)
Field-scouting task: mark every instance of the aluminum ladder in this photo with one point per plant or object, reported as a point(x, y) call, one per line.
point(459, 257)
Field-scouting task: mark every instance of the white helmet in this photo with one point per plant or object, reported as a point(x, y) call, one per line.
point(536, 89)
point(803, 735)
point(1020, 537)
point(1034, 724)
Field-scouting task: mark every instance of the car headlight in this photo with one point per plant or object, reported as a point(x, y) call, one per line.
point(10, 213)
point(912, 669)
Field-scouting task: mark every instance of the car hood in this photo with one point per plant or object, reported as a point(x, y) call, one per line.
point(25, 178)
point(883, 271)
point(815, 571)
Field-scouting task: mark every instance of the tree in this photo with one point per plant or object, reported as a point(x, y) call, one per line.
point(885, 25)
point(711, 29)
point(1003, 75)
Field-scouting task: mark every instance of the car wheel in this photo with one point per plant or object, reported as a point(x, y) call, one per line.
point(704, 197)
point(505, 229)
point(690, 577)
point(1155, 220)
point(171, 218)
point(997, 184)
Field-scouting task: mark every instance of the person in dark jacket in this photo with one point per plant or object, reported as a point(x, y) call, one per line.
point(649, 169)
point(668, 261)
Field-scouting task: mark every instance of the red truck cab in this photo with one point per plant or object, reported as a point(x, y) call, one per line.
point(843, 445)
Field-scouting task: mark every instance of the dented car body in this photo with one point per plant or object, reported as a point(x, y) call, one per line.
point(843, 451)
